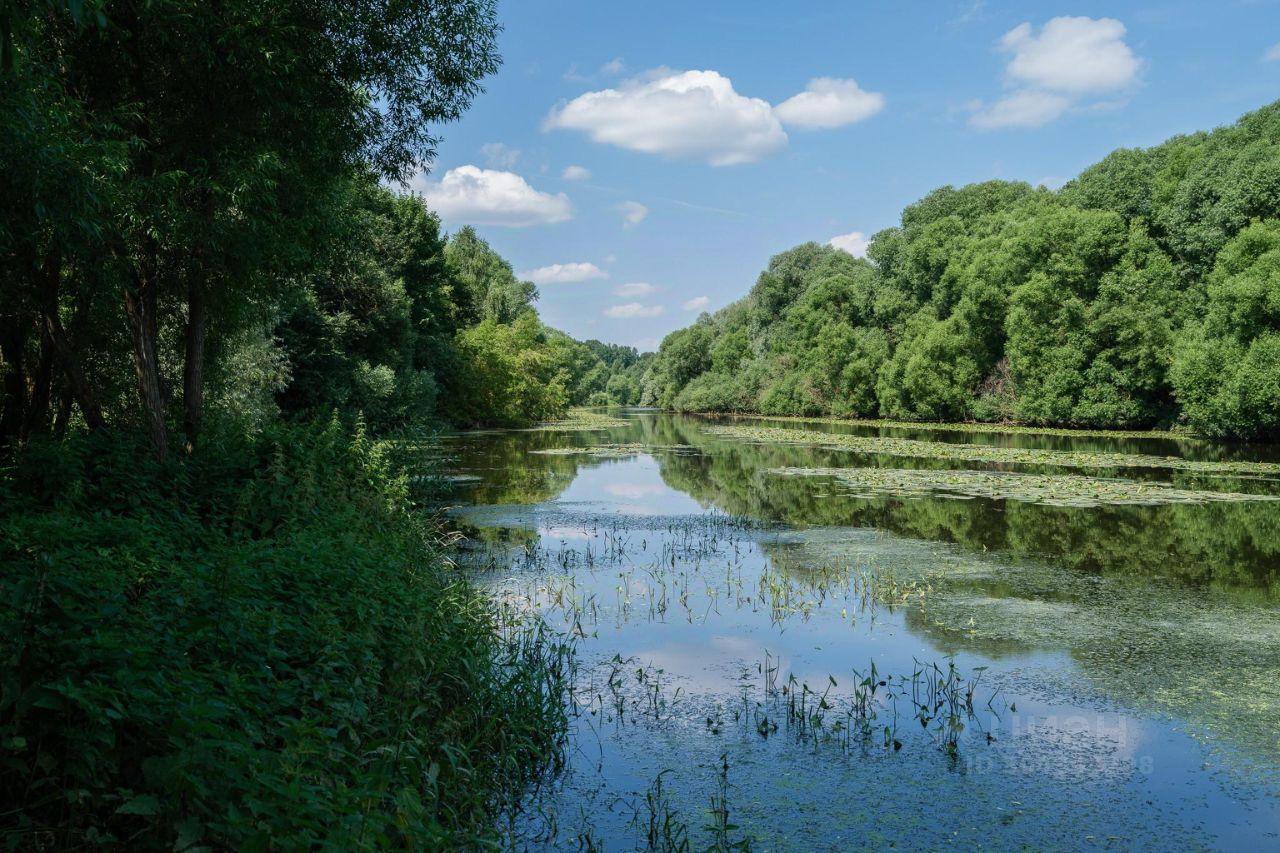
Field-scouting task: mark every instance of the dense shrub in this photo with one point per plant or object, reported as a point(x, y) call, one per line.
point(258, 648)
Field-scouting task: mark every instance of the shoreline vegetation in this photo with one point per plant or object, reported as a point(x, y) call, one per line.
point(228, 351)
point(1145, 293)
point(963, 426)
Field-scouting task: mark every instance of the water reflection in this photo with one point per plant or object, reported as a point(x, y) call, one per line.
point(1131, 654)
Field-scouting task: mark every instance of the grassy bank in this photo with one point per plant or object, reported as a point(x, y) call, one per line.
point(264, 646)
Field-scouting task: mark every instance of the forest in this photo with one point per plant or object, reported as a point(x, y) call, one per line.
point(230, 342)
point(1143, 293)
point(227, 340)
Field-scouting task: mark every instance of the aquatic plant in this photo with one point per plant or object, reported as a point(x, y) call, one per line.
point(618, 451)
point(579, 420)
point(917, 449)
point(1049, 489)
point(975, 427)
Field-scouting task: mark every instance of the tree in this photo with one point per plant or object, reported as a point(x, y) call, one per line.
point(212, 135)
point(1226, 373)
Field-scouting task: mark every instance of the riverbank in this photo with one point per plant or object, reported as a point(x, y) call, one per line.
point(965, 426)
point(265, 645)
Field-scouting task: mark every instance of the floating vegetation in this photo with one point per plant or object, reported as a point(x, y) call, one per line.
point(580, 420)
point(1048, 489)
point(979, 427)
point(616, 451)
point(917, 449)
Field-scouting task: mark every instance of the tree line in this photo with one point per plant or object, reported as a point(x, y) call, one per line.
point(197, 218)
point(1146, 292)
point(230, 619)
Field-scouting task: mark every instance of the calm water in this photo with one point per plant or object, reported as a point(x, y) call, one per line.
point(1046, 676)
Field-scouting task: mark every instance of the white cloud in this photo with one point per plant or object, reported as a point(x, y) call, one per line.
point(828, 102)
point(633, 213)
point(855, 243)
point(634, 288)
point(498, 155)
point(564, 273)
point(697, 303)
point(693, 115)
point(1272, 54)
point(576, 173)
point(613, 66)
point(469, 194)
point(633, 310)
point(1073, 55)
point(1027, 108)
point(1070, 60)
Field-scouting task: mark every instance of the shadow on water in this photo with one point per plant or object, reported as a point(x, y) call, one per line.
point(819, 669)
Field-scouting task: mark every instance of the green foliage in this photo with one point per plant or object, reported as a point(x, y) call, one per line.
point(257, 648)
point(1227, 372)
point(251, 642)
point(1139, 295)
point(506, 374)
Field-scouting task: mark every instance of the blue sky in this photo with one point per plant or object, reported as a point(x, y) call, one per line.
point(686, 183)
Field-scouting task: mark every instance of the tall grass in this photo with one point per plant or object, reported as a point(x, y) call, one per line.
point(260, 646)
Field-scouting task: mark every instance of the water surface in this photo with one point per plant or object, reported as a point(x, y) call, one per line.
point(1045, 675)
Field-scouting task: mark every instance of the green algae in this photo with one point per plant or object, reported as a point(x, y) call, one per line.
point(1052, 490)
point(917, 449)
point(615, 451)
point(580, 420)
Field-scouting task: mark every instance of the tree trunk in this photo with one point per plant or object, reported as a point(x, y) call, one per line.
point(138, 308)
point(61, 345)
point(37, 419)
point(13, 346)
point(79, 385)
point(63, 416)
point(193, 367)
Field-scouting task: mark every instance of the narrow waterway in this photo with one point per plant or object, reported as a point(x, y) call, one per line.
point(932, 637)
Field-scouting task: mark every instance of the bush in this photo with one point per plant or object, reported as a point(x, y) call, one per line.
point(259, 647)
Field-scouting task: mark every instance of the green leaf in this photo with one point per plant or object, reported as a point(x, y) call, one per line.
point(142, 804)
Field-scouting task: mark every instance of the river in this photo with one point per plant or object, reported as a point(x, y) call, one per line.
point(813, 635)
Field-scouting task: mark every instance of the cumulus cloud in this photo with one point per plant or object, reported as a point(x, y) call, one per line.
point(1070, 60)
point(471, 195)
point(1079, 55)
point(613, 66)
point(564, 273)
point(697, 303)
point(499, 155)
point(576, 173)
point(1272, 54)
point(828, 102)
point(634, 288)
point(855, 243)
point(632, 311)
point(694, 115)
point(1021, 109)
point(633, 213)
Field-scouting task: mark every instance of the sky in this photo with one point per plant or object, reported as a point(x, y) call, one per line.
point(641, 162)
